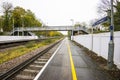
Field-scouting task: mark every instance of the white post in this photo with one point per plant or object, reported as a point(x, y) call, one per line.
point(13, 27)
point(72, 29)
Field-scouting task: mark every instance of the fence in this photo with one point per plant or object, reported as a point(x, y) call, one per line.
point(98, 43)
point(4, 39)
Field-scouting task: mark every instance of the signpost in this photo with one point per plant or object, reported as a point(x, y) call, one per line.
point(111, 43)
point(100, 21)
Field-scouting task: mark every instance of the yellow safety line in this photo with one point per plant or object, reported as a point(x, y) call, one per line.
point(74, 76)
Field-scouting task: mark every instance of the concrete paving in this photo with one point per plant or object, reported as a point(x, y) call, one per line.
point(60, 66)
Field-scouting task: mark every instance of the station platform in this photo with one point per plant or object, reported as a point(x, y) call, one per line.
point(70, 63)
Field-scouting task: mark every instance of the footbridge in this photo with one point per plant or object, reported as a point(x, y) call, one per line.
point(52, 28)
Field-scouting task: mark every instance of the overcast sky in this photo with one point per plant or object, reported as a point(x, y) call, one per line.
point(59, 12)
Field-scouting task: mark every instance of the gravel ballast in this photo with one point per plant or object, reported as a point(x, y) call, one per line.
point(16, 61)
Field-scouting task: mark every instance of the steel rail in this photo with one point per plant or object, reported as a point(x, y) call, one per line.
point(21, 66)
point(17, 43)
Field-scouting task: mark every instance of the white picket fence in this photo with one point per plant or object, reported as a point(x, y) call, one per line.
point(98, 43)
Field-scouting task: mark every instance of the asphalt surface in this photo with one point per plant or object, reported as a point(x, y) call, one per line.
point(60, 66)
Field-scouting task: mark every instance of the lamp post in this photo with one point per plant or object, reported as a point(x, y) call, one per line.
point(72, 28)
point(111, 43)
point(91, 38)
point(22, 24)
point(13, 25)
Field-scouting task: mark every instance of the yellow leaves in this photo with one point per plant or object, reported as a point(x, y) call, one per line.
point(51, 33)
point(10, 54)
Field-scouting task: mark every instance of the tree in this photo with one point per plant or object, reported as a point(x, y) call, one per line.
point(77, 24)
point(17, 14)
point(49, 33)
point(7, 9)
point(1, 23)
point(31, 20)
point(105, 6)
point(82, 25)
point(117, 17)
point(20, 16)
point(26, 18)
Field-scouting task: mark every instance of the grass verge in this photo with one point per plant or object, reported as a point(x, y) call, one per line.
point(21, 50)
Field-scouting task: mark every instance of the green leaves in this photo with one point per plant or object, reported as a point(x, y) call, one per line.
point(117, 17)
point(25, 17)
point(105, 6)
point(21, 17)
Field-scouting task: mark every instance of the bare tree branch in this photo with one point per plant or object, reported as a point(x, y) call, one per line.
point(7, 7)
point(105, 5)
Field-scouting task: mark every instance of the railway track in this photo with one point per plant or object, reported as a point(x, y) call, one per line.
point(4, 45)
point(30, 68)
point(16, 43)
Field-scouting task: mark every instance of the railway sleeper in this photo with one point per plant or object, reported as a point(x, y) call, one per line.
point(27, 72)
point(31, 71)
point(35, 67)
point(44, 57)
point(39, 63)
point(24, 77)
point(43, 60)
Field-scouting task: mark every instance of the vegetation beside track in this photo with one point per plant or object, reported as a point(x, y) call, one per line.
point(24, 49)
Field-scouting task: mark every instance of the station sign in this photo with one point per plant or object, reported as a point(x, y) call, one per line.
point(100, 21)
